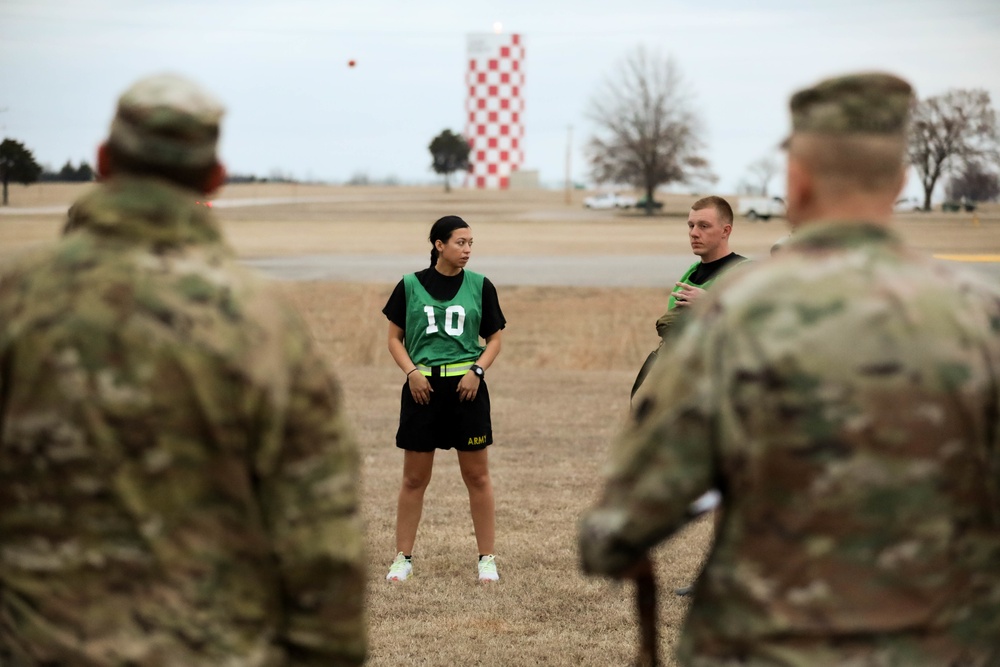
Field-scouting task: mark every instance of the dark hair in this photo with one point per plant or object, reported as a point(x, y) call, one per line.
point(441, 231)
point(721, 206)
point(194, 178)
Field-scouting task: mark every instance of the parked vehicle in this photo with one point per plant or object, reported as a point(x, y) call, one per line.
point(609, 200)
point(641, 203)
point(760, 208)
point(907, 204)
point(955, 206)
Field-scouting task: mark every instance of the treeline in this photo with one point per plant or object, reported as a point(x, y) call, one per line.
point(68, 174)
point(974, 182)
point(276, 177)
point(85, 173)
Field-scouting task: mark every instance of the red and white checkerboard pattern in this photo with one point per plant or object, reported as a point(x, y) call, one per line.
point(495, 107)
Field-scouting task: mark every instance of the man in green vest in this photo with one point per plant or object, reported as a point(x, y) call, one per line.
point(710, 223)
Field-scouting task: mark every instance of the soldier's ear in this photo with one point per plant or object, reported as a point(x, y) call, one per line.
point(104, 163)
point(216, 178)
point(799, 190)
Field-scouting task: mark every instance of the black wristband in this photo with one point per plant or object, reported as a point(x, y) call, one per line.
point(411, 370)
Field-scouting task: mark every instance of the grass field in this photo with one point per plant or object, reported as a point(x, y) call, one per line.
point(559, 389)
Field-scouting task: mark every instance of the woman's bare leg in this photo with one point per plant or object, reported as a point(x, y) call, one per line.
point(476, 475)
point(417, 467)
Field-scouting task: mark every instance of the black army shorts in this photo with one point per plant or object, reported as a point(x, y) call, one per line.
point(445, 422)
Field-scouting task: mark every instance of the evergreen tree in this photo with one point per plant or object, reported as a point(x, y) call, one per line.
point(450, 152)
point(17, 164)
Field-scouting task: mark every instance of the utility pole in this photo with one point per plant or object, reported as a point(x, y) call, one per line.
point(569, 160)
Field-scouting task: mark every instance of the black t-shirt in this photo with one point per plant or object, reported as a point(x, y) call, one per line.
point(707, 270)
point(444, 288)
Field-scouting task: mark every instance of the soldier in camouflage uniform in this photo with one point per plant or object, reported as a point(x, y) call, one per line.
point(177, 484)
point(845, 398)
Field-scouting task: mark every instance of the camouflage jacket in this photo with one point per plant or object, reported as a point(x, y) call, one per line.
point(845, 398)
point(178, 487)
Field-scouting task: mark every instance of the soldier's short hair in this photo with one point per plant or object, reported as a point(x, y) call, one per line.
point(193, 178)
point(722, 208)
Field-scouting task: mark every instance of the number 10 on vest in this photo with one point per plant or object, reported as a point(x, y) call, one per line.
point(454, 320)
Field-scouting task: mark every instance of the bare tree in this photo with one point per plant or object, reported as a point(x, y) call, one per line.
point(763, 172)
point(973, 183)
point(647, 133)
point(950, 131)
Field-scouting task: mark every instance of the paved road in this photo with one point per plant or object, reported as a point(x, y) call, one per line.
point(648, 271)
point(574, 271)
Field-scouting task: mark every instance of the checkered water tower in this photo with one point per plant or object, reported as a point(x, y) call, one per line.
point(495, 106)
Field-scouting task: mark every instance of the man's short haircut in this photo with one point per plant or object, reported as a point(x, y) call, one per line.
point(847, 163)
point(722, 208)
point(193, 178)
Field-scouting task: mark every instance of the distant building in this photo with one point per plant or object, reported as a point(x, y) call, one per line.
point(524, 179)
point(495, 105)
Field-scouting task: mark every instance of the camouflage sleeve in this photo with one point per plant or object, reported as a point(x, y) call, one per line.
point(309, 471)
point(994, 444)
point(666, 322)
point(660, 463)
point(671, 323)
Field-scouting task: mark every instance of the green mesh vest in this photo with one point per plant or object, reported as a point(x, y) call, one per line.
point(443, 332)
point(686, 278)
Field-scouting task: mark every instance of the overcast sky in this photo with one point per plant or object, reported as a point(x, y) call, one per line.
point(294, 105)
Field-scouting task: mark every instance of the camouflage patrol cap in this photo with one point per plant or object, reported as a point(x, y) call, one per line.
point(871, 103)
point(167, 120)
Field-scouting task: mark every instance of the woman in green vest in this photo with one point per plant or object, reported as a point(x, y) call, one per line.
point(436, 320)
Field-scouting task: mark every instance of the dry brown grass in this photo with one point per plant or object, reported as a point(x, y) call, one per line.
point(552, 430)
point(553, 422)
point(559, 389)
point(548, 327)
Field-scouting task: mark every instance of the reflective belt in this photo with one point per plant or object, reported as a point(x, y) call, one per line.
point(448, 370)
